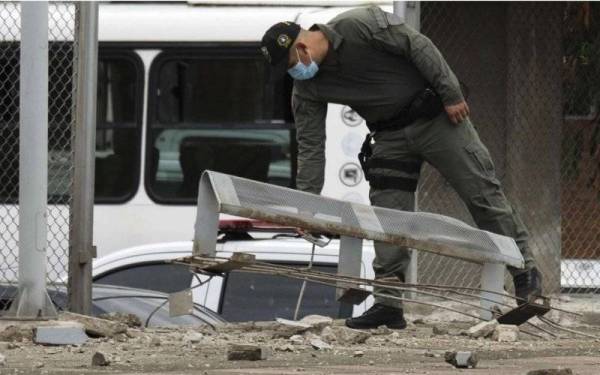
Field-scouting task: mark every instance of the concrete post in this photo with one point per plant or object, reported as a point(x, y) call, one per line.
point(32, 301)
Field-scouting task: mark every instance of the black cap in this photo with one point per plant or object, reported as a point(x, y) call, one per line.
point(275, 46)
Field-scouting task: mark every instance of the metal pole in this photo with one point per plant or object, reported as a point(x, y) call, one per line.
point(32, 301)
point(410, 11)
point(81, 250)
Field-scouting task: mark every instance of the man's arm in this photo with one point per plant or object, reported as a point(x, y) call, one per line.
point(396, 37)
point(310, 133)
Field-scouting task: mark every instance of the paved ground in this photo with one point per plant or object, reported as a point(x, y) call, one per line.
point(416, 350)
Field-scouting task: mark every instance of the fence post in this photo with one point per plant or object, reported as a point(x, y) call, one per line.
point(410, 11)
point(81, 249)
point(32, 300)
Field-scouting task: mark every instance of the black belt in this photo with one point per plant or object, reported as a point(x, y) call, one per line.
point(427, 104)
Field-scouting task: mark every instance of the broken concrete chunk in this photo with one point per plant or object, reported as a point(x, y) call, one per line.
point(100, 359)
point(96, 327)
point(317, 322)
point(287, 328)
point(439, 331)
point(461, 359)
point(381, 330)
point(563, 371)
point(244, 352)
point(328, 335)
point(358, 354)
point(483, 329)
point(319, 344)
point(349, 336)
point(506, 333)
point(16, 334)
point(193, 337)
point(60, 334)
point(131, 320)
point(297, 340)
point(2, 360)
point(285, 348)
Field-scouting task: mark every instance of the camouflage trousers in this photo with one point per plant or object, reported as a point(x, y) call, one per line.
point(459, 155)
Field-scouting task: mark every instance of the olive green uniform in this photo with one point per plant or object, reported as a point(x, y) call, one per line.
point(376, 64)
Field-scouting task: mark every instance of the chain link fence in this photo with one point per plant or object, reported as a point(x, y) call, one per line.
point(61, 93)
point(531, 73)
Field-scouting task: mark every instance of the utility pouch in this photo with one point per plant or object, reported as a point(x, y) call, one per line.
point(427, 104)
point(365, 154)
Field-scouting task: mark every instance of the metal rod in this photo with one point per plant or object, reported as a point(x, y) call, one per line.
point(32, 300)
point(82, 250)
point(558, 326)
point(387, 284)
point(301, 294)
point(542, 329)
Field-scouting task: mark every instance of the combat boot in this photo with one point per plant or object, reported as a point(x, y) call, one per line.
point(379, 315)
point(528, 285)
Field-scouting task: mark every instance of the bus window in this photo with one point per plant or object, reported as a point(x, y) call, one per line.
point(118, 127)
point(216, 110)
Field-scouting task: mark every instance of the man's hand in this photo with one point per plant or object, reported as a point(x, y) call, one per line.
point(457, 112)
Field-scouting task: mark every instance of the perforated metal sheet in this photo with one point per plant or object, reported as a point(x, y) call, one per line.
point(419, 230)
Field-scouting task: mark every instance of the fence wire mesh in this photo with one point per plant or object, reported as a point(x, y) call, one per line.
point(532, 74)
point(61, 94)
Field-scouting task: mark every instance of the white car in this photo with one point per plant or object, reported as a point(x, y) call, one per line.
point(239, 296)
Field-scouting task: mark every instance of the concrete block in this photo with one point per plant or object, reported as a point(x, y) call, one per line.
point(62, 334)
point(242, 352)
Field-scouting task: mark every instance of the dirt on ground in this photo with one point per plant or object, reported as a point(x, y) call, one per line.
point(317, 346)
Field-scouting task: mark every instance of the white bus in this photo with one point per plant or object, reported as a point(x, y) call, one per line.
point(182, 88)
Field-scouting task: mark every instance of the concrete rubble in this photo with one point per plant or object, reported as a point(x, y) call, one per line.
point(439, 331)
point(349, 336)
point(482, 329)
point(506, 333)
point(564, 371)
point(14, 333)
point(100, 359)
point(317, 322)
point(460, 359)
point(193, 337)
point(2, 360)
point(319, 344)
point(96, 327)
point(246, 352)
point(131, 320)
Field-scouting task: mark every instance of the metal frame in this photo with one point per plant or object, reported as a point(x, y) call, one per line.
point(217, 194)
point(82, 251)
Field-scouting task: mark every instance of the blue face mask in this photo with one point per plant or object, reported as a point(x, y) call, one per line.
point(301, 71)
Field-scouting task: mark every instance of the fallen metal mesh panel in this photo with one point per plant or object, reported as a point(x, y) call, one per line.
point(422, 231)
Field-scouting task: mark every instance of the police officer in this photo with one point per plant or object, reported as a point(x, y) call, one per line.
point(398, 81)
